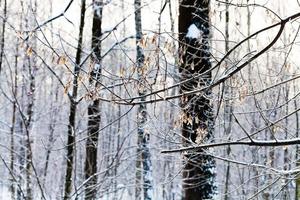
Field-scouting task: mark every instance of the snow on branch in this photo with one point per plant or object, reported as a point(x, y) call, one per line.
point(265, 143)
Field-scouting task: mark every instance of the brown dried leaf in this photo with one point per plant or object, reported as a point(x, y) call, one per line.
point(67, 86)
point(143, 42)
point(29, 51)
point(61, 60)
point(154, 38)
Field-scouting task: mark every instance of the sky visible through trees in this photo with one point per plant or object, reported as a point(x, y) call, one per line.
point(149, 99)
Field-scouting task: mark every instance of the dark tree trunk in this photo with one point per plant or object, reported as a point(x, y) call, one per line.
point(194, 29)
point(73, 108)
point(3, 34)
point(94, 117)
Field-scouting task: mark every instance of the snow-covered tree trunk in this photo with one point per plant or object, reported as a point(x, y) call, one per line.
point(53, 115)
point(20, 126)
point(297, 157)
point(51, 139)
point(254, 119)
point(286, 158)
point(13, 124)
point(21, 158)
point(269, 156)
point(31, 65)
point(197, 119)
point(228, 107)
point(73, 107)
point(94, 111)
point(143, 162)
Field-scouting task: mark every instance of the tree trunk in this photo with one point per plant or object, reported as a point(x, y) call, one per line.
point(3, 34)
point(21, 160)
point(254, 118)
point(197, 127)
point(21, 152)
point(28, 126)
point(73, 107)
point(228, 108)
point(51, 140)
point(297, 193)
point(54, 114)
point(286, 159)
point(31, 64)
point(13, 124)
point(143, 162)
point(94, 117)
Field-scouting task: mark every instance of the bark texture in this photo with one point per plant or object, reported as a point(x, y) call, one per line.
point(94, 117)
point(228, 107)
point(297, 190)
point(73, 107)
point(143, 162)
point(3, 33)
point(194, 29)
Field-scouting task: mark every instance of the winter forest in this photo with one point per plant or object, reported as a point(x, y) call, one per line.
point(149, 99)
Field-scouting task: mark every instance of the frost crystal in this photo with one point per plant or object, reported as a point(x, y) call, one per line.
point(193, 32)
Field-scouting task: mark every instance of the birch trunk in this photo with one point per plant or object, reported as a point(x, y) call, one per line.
point(143, 162)
point(31, 65)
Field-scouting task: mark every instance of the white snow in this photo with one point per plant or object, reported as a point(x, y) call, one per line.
point(97, 9)
point(193, 32)
point(5, 193)
point(97, 67)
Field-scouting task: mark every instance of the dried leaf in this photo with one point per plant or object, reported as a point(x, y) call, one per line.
point(61, 60)
point(154, 38)
point(122, 72)
point(143, 42)
point(66, 89)
point(29, 51)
